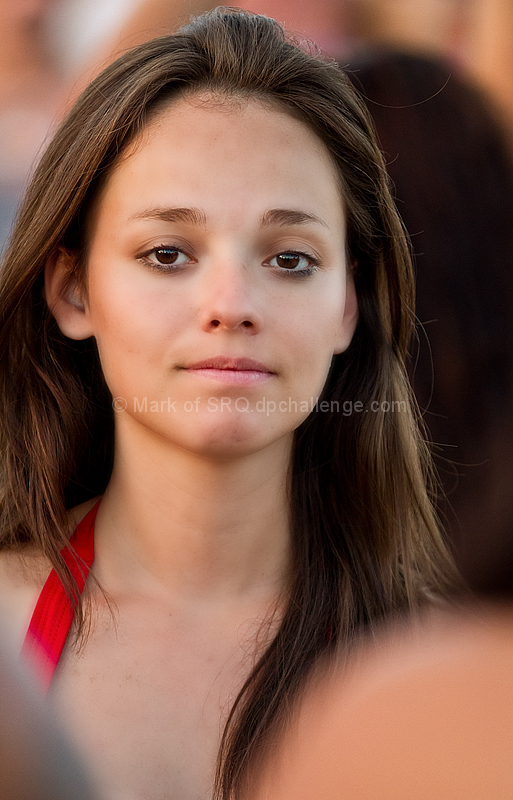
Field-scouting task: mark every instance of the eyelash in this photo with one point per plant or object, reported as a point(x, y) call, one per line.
point(298, 273)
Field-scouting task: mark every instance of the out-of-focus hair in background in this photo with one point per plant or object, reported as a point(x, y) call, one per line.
point(452, 172)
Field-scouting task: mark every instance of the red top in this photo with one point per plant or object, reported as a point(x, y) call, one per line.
point(53, 614)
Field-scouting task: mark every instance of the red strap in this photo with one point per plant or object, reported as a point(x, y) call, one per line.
point(53, 614)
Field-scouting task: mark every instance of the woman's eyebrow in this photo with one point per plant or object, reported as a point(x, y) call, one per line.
point(284, 217)
point(190, 216)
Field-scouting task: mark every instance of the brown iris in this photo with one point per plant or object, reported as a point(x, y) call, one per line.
point(166, 255)
point(288, 260)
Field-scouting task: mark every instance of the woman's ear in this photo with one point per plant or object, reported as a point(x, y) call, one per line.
point(350, 315)
point(65, 296)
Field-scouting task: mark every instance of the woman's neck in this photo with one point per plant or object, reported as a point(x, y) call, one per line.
point(171, 521)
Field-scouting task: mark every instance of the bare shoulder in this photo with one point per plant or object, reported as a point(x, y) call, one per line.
point(23, 573)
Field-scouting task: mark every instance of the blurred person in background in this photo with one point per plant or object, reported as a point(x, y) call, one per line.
point(423, 26)
point(87, 35)
point(476, 35)
point(488, 54)
point(324, 22)
point(30, 86)
point(453, 184)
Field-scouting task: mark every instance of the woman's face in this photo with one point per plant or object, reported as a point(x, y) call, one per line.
point(217, 283)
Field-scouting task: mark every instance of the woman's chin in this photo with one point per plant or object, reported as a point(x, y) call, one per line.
point(233, 440)
point(220, 438)
point(219, 435)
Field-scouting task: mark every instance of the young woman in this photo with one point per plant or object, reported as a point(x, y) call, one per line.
point(206, 307)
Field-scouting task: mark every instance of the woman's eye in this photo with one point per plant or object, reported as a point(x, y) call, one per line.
point(296, 263)
point(166, 257)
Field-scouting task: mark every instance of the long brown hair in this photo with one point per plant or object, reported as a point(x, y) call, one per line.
point(365, 541)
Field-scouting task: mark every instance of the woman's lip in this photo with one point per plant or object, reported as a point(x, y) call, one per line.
point(231, 364)
point(234, 371)
point(235, 377)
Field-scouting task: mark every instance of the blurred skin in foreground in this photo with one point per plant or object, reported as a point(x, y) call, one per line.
point(427, 712)
point(35, 761)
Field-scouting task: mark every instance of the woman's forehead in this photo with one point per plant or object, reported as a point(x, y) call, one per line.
point(249, 155)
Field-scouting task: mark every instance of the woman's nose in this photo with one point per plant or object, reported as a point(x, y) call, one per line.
point(229, 299)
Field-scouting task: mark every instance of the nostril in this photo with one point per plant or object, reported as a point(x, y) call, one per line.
point(246, 323)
